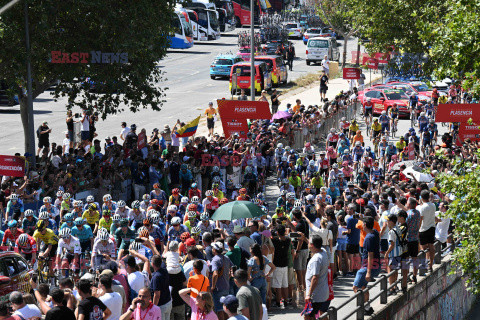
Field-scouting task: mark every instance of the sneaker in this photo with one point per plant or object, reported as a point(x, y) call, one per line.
point(282, 304)
point(369, 311)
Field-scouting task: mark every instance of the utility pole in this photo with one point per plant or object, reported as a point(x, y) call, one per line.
point(252, 47)
point(31, 127)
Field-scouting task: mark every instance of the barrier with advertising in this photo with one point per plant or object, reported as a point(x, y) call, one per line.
point(351, 73)
point(12, 166)
point(467, 131)
point(458, 112)
point(234, 115)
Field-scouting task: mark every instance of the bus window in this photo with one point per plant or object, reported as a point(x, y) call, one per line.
point(212, 15)
point(176, 26)
point(203, 19)
point(244, 71)
point(193, 16)
point(187, 27)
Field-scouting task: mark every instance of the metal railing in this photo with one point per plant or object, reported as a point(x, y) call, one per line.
point(359, 311)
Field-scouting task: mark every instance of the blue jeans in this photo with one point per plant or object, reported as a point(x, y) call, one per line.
point(261, 284)
point(218, 306)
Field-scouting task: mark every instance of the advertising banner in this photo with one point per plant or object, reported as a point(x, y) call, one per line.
point(370, 63)
point(142, 141)
point(351, 73)
point(235, 109)
point(467, 131)
point(12, 166)
point(458, 112)
point(231, 126)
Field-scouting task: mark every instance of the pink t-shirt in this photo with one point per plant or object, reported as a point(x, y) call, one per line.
point(151, 313)
point(200, 316)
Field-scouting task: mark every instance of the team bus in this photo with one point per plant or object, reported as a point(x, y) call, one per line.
point(182, 33)
point(242, 11)
point(226, 15)
point(207, 27)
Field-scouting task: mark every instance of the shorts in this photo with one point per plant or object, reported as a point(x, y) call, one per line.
point(280, 278)
point(394, 116)
point(395, 263)
point(412, 249)
point(85, 135)
point(361, 277)
point(71, 135)
point(376, 133)
point(383, 245)
point(352, 248)
point(332, 254)
point(43, 144)
point(210, 123)
point(385, 127)
point(319, 306)
point(323, 89)
point(368, 112)
point(291, 276)
point(53, 252)
point(86, 246)
point(218, 306)
point(341, 246)
point(427, 237)
point(300, 262)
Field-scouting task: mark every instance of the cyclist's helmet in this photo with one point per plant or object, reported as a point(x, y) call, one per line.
point(184, 236)
point(28, 213)
point(280, 145)
point(310, 197)
point(195, 199)
point(242, 191)
point(297, 204)
point(311, 163)
point(193, 207)
point(176, 221)
point(107, 212)
point(204, 216)
point(78, 222)
point(290, 195)
point(369, 99)
point(335, 166)
point(65, 233)
point(248, 170)
point(422, 114)
point(209, 193)
point(124, 222)
point(172, 208)
point(77, 204)
point(332, 130)
point(224, 200)
point(59, 193)
point(103, 234)
point(44, 215)
point(22, 240)
point(191, 215)
point(147, 221)
point(432, 121)
point(90, 199)
point(184, 200)
point(146, 197)
point(116, 217)
point(143, 233)
point(196, 231)
point(66, 196)
point(92, 206)
point(136, 204)
point(135, 246)
point(12, 223)
point(107, 197)
point(68, 217)
point(216, 179)
point(194, 185)
point(121, 204)
point(47, 200)
point(175, 191)
point(13, 197)
point(41, 224)
point(384, 113)
point(155, 218)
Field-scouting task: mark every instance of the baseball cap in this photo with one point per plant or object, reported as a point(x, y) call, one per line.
point(229, 300)
point(107, 272)
point(391, 217)
point(237, 229)
point(218, 246)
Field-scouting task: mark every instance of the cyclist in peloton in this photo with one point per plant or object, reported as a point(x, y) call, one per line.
point(394, 112)
point(385, 122)
point(11, 234)
point(49, 239)
point(84, 233)
point(376, 128)
point(29, 222)
point(103, 249)
point(68, 252)
point(422, 122)
point(413, 102)
point(27, 247)
point(368, 106)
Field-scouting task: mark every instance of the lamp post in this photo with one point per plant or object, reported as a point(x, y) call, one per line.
point(252, 55)
point(31, 128)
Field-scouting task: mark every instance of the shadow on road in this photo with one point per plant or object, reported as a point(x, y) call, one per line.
point(17, 111)
point(229, 35)
point(187, 51)
point(215, 44)
point(43, 100)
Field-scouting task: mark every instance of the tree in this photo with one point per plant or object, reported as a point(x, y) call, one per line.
point(464, 211)
point(134, 31)
point(339, 16)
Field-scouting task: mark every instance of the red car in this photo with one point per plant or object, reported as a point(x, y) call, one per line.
point(423, 91)
point(384, 99)
point(15, 274)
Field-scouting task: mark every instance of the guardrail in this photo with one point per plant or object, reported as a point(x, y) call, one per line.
point(332, 313)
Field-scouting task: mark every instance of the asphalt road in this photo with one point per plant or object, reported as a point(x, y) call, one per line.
point(189, 91)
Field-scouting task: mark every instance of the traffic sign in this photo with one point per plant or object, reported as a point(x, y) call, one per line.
point(351, 73)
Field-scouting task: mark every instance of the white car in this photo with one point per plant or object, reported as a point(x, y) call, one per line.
point(318, 48)
point(294, 30)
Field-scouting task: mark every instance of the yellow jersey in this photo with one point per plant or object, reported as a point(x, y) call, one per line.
point(353, 128)
point(91, 218)
point(400, 145)
point(48, 238)
point(377, 127)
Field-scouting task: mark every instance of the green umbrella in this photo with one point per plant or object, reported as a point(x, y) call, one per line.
point(237, 210)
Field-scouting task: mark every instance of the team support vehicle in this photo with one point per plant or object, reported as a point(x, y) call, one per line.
point(318, 48)
point(15, 274)
point(182, 32)
point(384, 99)
point(222, 65)
point(311, 33)
point(241, 72)
point(294, 30)
point(242, 11)
point(278, 68)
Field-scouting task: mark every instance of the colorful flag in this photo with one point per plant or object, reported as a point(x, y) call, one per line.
point(189, 129)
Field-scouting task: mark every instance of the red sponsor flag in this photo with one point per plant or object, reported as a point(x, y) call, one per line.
point(351, 73)
point(12, 166)
point(458, 112)
point(142, 141)
point(467, 131)
point(234, 109)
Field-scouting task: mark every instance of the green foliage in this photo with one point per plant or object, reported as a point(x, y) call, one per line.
point(138, 28)
point(465, 214)
point(338, 14)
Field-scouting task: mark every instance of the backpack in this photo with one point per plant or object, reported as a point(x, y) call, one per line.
point(402, 238)
point(132, 294)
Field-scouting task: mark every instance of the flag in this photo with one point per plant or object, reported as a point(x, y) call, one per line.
point(189, 129)
point(308, 308)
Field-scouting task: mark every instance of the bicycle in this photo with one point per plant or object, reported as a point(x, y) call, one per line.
point(394, 127)
point(43, 272)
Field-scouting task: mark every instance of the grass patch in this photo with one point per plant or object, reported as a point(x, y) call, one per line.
point(307, 80)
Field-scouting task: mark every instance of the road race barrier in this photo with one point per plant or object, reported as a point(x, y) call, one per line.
point(382, 282)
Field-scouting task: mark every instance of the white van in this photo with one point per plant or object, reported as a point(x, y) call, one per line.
point(319, 47)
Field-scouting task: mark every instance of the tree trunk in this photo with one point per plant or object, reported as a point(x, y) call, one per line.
point(345, 41)
point(24, 115)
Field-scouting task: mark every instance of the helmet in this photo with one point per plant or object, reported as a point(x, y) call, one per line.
point(66, 196)
point(335, 166)
point(172, 207)
point(107, 197)
point(143, 233)
point(204, 216)
point(290, 195)
point(242, 191)
point(146, 197)
point(175, 191)
point(287, 148)
point(343, 118)
point(285, 181)
point(116, 217)
point(13, 196)
point(310, 197)
point(369, 99)
point(103, 234)
point(195, 199)
point(209, 193)
point(346, 151)
point(175, 221)
point(77, 204)
point(124, 222)
point(183, 200)
point(332, 130)
point(155, 218)
point(65, 233)
point(422, 114)
point(384, 112)
point(193, 207)
point(196, 231)
point(44, 215)
point(41, 224)
point(78, 221)
point(191, 214)
point(345, 163)
point(224, 200)
point(216, 179)
point(47, 200)
point(59, 193)
point(12, 223)
point(432, 121)
point(184, 236)
point(248, 169)
point(215, 169)
point(136, 204)
point(311, 162)
point(121, 204)
point(284, 158)
point(358, 144)
point(133, 127)
point(107, 212)
point(135, 246)
point(90, 199)
point(23, 239)
point(238, 186)
point(150, 212)
point(390, 143)
point(68, 217)
point(28, 213)
point(280, 145)
point(297, 204)
point(92, 206)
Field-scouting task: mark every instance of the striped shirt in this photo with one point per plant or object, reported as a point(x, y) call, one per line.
point(392, 238)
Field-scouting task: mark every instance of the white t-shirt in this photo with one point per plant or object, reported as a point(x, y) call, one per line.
point(29, 311)
point(441, 230)
point(136, 280)
point(124, 132)
point(383, 221)
point(427, 211)
point(113, 301)
point(66, 144)
point(86, 124)
point(326, 64)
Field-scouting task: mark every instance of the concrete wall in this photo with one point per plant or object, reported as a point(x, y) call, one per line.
point(437, 297)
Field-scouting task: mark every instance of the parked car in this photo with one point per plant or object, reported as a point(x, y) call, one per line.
point(15, 274)
point(318, 48)
point(222, 65)
point(310, 33)
point(294, 30)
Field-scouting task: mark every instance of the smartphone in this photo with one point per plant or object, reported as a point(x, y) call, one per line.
point(138, 240)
